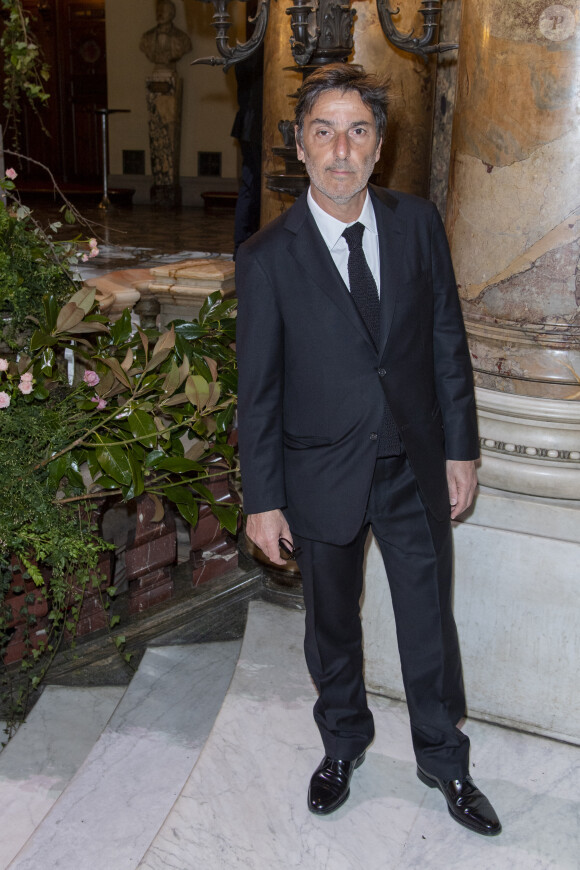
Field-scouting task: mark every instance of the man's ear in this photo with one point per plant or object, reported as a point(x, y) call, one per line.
point(378, 151)
point(299, 148)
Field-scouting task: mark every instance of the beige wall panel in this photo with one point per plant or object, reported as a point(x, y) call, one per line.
point(209, 96)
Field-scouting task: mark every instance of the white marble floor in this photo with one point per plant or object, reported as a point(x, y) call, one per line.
point(244, 805)
point(43, 756)
point(112, 809)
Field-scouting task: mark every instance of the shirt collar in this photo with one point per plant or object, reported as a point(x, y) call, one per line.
point(332, 229)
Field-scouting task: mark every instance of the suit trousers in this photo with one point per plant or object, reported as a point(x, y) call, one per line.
point(417, 553)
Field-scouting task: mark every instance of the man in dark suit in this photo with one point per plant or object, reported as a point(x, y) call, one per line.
point(356, 411)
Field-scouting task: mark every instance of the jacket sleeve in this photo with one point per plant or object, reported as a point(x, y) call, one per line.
point(260, 352)
point(453, 372)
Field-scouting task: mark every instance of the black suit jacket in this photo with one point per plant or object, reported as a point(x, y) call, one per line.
point(311, 383)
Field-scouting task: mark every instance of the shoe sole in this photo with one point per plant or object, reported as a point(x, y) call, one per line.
point(431, 783)
point(342, 801)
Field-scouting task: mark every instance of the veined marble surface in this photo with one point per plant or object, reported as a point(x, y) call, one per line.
point(44, 755)
point(244, 805)
point(117, 802)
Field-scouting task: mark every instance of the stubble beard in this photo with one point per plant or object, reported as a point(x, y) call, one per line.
point(317, 178)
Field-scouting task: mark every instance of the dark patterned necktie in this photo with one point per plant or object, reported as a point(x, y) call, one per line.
point(363, 288)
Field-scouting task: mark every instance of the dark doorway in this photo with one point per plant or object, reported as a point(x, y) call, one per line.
point(71, 34)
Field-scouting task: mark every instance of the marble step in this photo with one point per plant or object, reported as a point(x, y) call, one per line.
point(44, 754)
point(117, 802)
point(244, 804)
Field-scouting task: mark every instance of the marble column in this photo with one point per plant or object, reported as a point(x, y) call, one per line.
point(513, 219)
point(164, 101)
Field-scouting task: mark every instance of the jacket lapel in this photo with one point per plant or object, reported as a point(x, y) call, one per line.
point(310, 251)
point(392, 240)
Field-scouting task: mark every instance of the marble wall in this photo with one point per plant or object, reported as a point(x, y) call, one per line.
point(517, 611)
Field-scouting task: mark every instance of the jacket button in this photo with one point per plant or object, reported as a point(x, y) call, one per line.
point(382, 373)
point(374, 436)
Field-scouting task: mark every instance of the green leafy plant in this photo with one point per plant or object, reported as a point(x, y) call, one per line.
point(145, 412)
point(32, 264)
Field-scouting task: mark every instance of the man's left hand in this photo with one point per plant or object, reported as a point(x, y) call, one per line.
point(462, 482)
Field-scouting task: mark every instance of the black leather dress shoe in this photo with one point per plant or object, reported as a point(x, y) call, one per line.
point(330, 784)
point(467, 805)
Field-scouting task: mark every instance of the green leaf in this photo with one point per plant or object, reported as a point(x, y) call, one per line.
point(42, 339)
point(224, 419)
point(137, 472)
point(142, 427)
point(121, 329)
point(47, 359)
point(73, 474)
point(56, 471)
point(115, 620)
point(197, 391)
point(115, 463)
point(209, 306)
point(105, 482)
point(154, 458)
point(189, 331)
point(50, 310)
point(180, 495)
point(40, 392)
point(190, 513)
point(227, 516)
point(204, 492)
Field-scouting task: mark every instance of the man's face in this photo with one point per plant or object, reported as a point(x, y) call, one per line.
point(339, 149)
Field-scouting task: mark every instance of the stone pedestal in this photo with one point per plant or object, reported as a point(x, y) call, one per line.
point(182, 288)
point(529, 445)
point(164, 99)
point(149, 557)
point(517, 610)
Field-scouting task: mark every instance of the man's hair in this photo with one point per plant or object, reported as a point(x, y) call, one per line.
point(343, 77)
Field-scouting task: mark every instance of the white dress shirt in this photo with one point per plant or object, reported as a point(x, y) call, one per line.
point(332, 229)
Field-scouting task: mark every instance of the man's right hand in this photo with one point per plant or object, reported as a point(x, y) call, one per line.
point(265, 530)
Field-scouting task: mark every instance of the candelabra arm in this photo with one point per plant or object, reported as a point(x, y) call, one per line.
point(430, 10)
point(229, 55)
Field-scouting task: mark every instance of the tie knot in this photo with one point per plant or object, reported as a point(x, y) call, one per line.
point(353, 235)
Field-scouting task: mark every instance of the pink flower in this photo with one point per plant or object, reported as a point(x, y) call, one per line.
point(84, 258)
point(11, 174)
point(94, 252)
point(25, 387)
point(101, 403)
point(4, 365)
point(91, 378)
point(93, 243)
point(4, 400)
point(27, 376)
